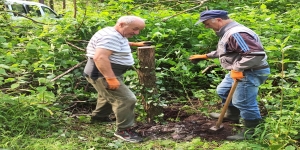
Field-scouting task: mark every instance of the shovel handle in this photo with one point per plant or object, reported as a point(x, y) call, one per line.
point(227, 102)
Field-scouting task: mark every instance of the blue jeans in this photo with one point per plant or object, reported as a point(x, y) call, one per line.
point(244, 97)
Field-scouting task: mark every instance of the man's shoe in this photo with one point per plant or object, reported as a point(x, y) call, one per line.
point(128, 135)
point(101, 120)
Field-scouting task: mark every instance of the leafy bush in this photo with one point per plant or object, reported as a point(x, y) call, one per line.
point(34, 54)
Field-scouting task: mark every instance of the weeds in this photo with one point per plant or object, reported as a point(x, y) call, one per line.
point(32, 114)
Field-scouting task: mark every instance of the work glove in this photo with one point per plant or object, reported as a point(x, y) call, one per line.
point(113, 83)
point(140, 44)
point(236, 75)
point(196, 58)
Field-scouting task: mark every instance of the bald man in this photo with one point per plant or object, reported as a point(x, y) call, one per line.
point(109, 56)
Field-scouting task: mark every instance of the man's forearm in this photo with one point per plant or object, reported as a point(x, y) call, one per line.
point(104, 66)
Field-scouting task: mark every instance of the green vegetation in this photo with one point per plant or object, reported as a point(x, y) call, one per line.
point(33, 103)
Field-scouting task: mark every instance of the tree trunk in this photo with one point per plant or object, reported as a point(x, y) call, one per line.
point(64, 4)
point(147, 77)
point(51, 4)
point(75, 8)
point(42, 1)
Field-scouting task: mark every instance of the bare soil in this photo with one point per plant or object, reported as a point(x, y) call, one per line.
point(177, 125)
point(188, 127)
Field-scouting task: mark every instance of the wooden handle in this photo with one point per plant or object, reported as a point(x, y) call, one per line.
point(225, 107)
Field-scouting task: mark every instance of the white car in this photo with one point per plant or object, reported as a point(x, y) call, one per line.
point(26, 8)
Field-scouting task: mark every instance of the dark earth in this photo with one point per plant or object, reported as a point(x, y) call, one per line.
point(190, 126)
point(178, 125)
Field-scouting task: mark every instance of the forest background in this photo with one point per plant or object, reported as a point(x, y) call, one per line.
point(43, 90)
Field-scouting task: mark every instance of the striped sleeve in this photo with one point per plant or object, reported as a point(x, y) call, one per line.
point(109, 42)
point(241, 42)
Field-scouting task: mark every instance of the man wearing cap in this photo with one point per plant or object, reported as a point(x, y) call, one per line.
point(240, 51)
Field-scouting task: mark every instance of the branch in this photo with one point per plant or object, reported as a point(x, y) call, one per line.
point(167, 18)
point(70, 106)
point(168, 1)
point(84, 15)
point(68, 71)
point(79, 41)
point(75, 115)
point(15, 90)
point(208, 67)
point(18, 27)
point(152, 4)
point(75, 46)
point(19, 14)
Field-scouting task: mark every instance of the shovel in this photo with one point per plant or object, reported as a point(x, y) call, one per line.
point(218, 125)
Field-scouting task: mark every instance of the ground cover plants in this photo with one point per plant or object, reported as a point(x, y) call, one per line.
point(45, 101)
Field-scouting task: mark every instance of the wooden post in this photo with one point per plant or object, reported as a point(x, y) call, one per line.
point(147, 78)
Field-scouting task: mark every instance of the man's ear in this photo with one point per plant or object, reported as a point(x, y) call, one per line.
point(218, 19)
point(121, 24)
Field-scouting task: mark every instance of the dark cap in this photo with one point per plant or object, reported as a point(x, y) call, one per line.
point(209, 14)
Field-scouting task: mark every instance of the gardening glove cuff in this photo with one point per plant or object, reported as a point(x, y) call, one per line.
point(202, 57)
point(196, 58)
point(113, 83)
point(236, 75)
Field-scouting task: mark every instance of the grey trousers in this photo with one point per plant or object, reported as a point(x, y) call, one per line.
point(121, 102)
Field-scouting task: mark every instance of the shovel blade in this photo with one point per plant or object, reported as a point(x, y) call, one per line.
point(215, 128)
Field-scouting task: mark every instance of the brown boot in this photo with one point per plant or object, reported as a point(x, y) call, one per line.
point(232, 114)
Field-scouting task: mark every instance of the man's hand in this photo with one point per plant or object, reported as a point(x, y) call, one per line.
point(140, 44)
point(236, 75)
point(113, 83)
point(196, 58)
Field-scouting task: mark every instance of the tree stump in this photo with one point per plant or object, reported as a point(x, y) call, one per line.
point(147, 78)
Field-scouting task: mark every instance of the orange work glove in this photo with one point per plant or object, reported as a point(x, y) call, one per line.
point(113, 83)
point(140, 44)
point(196, 58)
point(236, 75)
